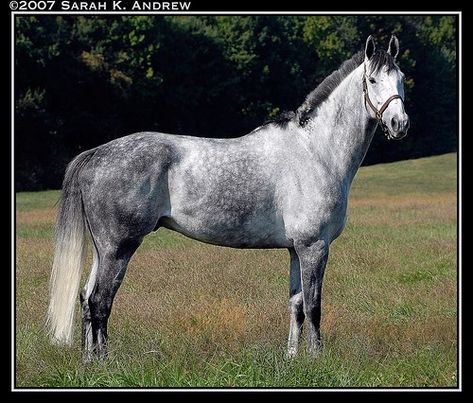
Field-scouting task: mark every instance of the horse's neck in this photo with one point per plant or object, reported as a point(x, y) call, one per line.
point(341, 127)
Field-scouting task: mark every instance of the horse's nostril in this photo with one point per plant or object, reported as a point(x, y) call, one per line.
point(394, 123)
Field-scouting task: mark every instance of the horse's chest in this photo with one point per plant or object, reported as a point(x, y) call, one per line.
point(329, 211)
point(318, 213)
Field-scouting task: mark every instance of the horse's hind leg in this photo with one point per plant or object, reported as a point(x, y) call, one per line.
point(104, 284)
point(295, 305)
point(87, 340)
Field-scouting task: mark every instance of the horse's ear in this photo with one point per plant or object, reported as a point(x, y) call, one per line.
point(393, 47)
point(370, 47)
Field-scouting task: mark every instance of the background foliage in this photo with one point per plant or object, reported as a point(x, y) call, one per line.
point(81, 81)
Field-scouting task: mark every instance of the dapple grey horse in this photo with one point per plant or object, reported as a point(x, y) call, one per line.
point(284, 185)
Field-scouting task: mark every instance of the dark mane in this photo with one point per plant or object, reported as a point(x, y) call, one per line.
point(327, 86)
point(379, 59)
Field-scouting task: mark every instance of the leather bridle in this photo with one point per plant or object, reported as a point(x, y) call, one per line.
point(378, 112)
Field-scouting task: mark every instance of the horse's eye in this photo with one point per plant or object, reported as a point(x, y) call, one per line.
point(372, 80)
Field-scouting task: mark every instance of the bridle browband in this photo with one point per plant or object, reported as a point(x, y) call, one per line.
point(378, 113)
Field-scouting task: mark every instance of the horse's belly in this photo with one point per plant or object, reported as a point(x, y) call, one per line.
point(231, 229)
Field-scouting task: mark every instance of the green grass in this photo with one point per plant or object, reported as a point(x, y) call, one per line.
point(423, 175)
point(28, 201)
point(195, 315)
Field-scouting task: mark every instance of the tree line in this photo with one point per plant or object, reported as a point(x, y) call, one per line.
point(81, 81)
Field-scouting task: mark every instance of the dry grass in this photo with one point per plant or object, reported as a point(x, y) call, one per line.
point(410, 209)
point(192, 314)
point(40, 216)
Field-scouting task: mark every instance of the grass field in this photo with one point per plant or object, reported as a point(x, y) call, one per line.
point(194, 315)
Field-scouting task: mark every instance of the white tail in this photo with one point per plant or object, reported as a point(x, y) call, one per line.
point(64, 287)
point(69, 255)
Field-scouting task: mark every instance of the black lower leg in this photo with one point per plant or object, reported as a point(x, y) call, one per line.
point(86, 339)
point(100, 307)
point(100, 338)
point(315, 341)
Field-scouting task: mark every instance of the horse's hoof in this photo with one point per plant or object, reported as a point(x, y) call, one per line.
point(315, 349)
point(87, 357)
point(291, 354)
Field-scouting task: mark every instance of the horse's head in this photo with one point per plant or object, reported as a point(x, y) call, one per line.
point(384, 89)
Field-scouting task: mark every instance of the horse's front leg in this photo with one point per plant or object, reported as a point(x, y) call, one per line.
point(313, 259)
point(295, 304)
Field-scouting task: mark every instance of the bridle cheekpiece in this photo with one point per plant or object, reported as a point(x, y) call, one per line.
point(378, 112)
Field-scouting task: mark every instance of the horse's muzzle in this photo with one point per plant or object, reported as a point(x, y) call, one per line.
point(398, 127)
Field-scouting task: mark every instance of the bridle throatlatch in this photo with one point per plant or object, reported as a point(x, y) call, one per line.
point(378, 113)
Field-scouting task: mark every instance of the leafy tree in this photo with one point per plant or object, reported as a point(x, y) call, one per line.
point(81, 81)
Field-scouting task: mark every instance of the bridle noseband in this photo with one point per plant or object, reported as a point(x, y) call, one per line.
point(378, 113)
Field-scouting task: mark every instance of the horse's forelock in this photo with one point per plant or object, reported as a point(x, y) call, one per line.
point(382, 59)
